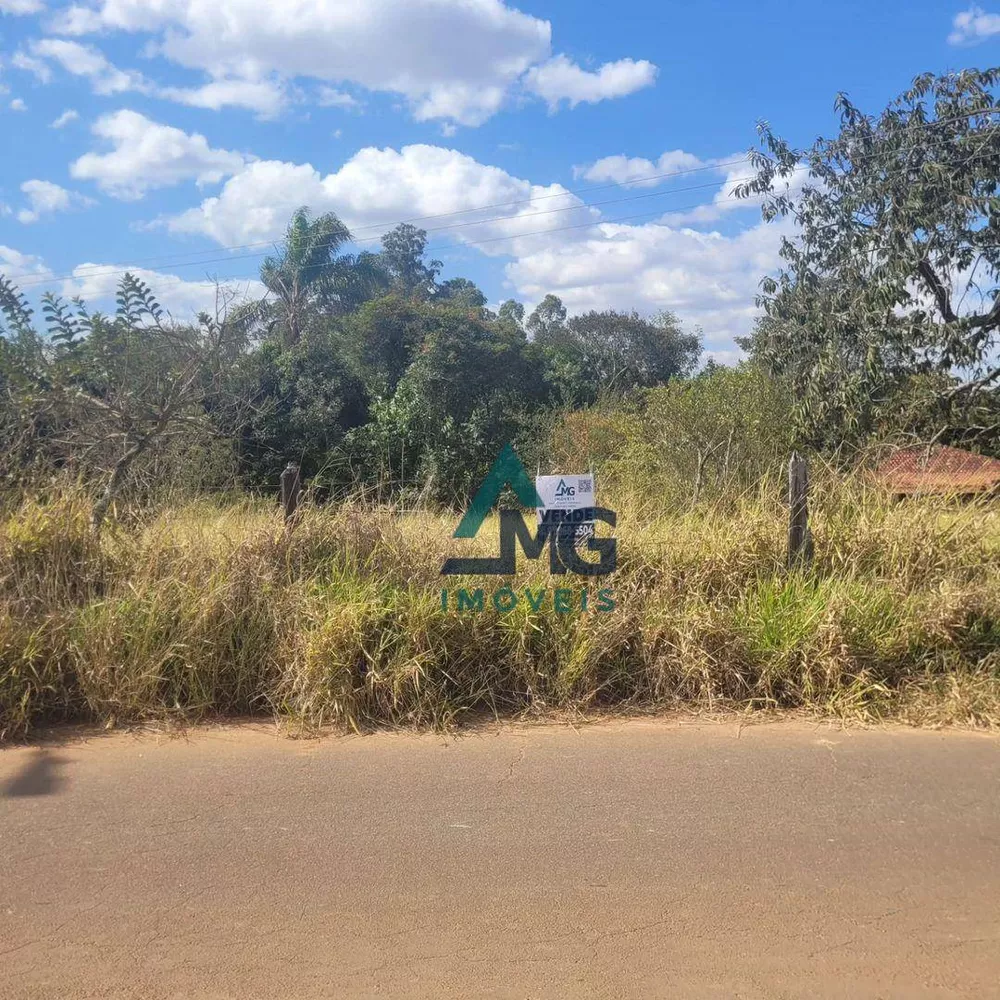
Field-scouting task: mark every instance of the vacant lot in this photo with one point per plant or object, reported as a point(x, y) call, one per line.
point(209, 609)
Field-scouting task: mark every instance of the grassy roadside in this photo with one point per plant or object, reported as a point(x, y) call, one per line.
point(206, 610)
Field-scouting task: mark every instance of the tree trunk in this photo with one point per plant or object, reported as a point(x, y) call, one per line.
point(114, 483)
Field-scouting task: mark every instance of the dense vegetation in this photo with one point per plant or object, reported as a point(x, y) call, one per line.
point(365, 370)
point(143, 570)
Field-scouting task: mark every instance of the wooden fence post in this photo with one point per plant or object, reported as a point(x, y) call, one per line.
point(799, 538)
point(291, 490)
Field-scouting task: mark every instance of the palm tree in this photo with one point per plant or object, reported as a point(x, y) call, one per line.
point(308, 272)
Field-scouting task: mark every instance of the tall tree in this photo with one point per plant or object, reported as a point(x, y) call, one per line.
point(461, 292)
point(309, 272)
point(547, 318)
point(382, 338)
point(893, 268)
point(615, 352)
point(403, 251)
point(512, 313)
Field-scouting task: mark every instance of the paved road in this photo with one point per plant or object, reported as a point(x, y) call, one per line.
point(626, 860)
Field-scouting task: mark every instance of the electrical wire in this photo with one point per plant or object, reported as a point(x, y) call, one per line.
point(179, 260)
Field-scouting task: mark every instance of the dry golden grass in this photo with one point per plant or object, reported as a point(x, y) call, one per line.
point(206, 610)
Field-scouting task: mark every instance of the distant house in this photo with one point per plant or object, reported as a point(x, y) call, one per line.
point(938, 470)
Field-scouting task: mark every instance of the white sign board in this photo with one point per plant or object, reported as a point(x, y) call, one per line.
point(567, 499)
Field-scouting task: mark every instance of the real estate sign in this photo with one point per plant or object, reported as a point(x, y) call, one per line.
point(567, 499)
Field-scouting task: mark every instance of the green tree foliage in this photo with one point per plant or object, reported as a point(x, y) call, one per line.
point(461, 292)
point(610, 352)
point(382, 337)
point(512, 313)
point(547, 319)
point(308, 274)
point(96, 395)
point(416, 386)
point(302, 401)
point(725, 427)
point(704, 438)
point(893, 269)
point(402, 256)
point(465, 394)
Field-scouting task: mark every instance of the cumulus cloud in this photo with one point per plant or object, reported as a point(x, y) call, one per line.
point(21, 60)
point(97, 284)
point(16, 265)
point(725, 201)
point(21, 6)
point(709, 280)
point(89, 62)
point(444, 56)
point(183, 299)
point(18, 105)
point(457, 60)
point(640, 172)
point(44, 198)
point(375, 189)
point(560, 79)
point(146, 155)
point(553, 241)
point(266, 97)
point(972, 26)
point(69, 115)
point(330, 97)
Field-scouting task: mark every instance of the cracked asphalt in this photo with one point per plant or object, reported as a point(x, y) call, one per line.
point(678, 859)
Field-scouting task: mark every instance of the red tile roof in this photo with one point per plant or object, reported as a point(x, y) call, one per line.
point(938, 470)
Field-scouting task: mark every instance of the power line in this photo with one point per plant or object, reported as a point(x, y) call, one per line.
point(465, 243)
point(180, 261)
point(176, 260)
point(580, 207)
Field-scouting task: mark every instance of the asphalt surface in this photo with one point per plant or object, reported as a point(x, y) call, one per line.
point(631, 859)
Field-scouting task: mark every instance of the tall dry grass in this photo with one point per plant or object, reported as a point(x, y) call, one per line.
point(210, 610)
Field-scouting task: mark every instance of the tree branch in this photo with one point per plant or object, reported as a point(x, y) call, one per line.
point(940, 293)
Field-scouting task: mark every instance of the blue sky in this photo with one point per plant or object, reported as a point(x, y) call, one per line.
point(176, 137)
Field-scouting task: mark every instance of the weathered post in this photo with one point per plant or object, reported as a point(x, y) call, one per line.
point(799, 539)
point(291, 489)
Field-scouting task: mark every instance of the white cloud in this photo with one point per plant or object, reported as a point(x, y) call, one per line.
point(555, 243)
point(44, 197)
point(97, 284)
point(18, 105)
point(453, 59)
point(375, 189)
point(16, 265)
point(148, 155)
point(89, 62)
point(637, 171)
point(183, 299)
point(972, 26)
point(725, 201)
point(266, 97)
point(69, 115)
point(21, 60)
point(448, 57)
point(560, 79)
point(707, 279)
point(330, 97)
point(21, 6)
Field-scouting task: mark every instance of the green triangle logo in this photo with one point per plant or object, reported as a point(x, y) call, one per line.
point(506, 470)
